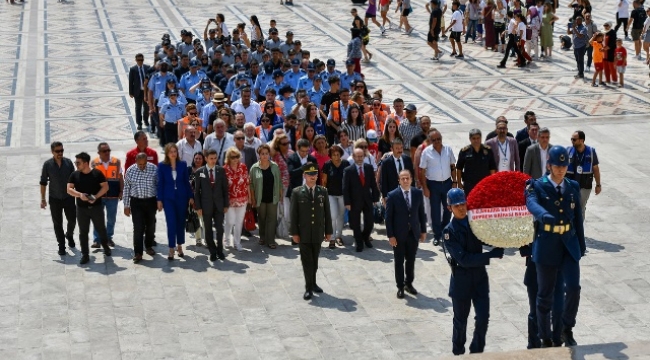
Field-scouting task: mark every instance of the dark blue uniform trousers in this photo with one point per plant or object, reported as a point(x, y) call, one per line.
point(175, 213)
point(437, 198)
point(461, 306)
point(547, 278)
point(530, 280)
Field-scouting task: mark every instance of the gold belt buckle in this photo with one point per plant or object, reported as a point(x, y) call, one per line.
point(547, 228)
point(561, 229)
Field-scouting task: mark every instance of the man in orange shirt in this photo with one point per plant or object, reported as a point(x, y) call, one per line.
point(111, 167)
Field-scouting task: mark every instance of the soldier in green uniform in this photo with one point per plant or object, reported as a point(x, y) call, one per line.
point(311, 224)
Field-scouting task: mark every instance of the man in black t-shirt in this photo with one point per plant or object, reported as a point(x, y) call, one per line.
point(434, 29)
point(88, 185)
point(638, 17)
point(326, 102)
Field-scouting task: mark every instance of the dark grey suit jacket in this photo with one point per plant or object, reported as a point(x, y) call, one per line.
point(206, 197)
point(533, 161)
point(250, 157)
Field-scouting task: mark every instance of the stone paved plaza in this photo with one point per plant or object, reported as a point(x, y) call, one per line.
point(63, 76)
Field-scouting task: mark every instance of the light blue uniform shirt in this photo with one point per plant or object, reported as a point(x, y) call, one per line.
point(158, 83)
point(188, 80)
point(288, 103)
point(164, 100)
point(305, 83)
point(347, 80)
point(263, 80)
point(173, 112)
point(292, 78)
point(316, 96)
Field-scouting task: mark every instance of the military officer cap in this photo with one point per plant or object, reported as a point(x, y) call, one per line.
point(310, 169)
point(558, 155)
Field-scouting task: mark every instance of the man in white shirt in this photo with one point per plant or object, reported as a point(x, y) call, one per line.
point(251, 140)
point(188, 146)
point(219, 140)
point(248, 107)
point(457, 27)
point(438, 165)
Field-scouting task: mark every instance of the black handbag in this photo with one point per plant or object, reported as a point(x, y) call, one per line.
point(378, 213)
point(192, 223)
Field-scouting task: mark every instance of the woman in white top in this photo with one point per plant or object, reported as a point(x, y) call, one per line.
point(221, 23)
point(499, 16)
point(256, 29)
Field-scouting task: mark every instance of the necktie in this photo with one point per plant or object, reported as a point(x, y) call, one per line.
point(408, 202)
point(311, 193)
point(559, 191)
point(399, 167)
point(361, 177)
point(141, 77)
point(211, 177)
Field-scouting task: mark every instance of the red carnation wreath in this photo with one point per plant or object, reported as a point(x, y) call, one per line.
point(497, 210)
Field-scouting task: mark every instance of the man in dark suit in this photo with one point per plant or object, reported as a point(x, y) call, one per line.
point(392, 166)
point(137, 89)
point(211, 201)
point(533, 132)
point(360, 191)
point(529, 118)
point(295, 162)
point(311, 224)
point(405, 224)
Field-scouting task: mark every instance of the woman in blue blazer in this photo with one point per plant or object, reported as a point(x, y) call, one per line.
point(174, 192)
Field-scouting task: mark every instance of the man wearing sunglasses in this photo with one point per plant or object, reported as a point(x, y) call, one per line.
point(583, 167)
point(111, 167)
point(137, 90)
point(56, 171)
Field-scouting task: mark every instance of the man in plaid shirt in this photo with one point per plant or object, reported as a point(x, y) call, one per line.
point(140, 183)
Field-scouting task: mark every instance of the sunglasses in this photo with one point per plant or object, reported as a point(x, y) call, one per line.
point(269, 107)
point(224, 114)
point(239, 138)
point(193, 113)
point(106, 151)
point(574, 139)
point(60, 151)
point(284, 143)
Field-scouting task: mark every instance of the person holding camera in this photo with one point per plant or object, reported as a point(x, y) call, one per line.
point(88, 185)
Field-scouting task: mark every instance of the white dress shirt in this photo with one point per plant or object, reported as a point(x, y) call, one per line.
point(504, 156)
point(437, 165)
point(186, 151)
point(543, 154)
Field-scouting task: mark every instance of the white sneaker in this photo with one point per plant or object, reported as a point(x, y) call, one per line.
point(238, 247)
point(199, 242)
point(227, 243)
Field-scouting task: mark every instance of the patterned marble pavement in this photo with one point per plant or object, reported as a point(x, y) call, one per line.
point(63, 77)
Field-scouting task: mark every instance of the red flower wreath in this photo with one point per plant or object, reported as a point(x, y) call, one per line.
point(502, 189)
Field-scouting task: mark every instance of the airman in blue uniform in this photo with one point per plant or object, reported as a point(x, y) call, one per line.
point(326, 74)
point(307, 82)
point(469, 281)
point(190, 79)
point(205, 99)
point(263, 80)
point(350, 76)
point(559, 243)
point(242, 82)
point(278, 82)
point(170, 113)
point(163, 99)
point(157, 85)
point(316, 92)
point(292, 77)
point(287, 97)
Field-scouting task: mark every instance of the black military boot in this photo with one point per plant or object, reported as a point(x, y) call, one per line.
point(567, 337)
point(533, 339)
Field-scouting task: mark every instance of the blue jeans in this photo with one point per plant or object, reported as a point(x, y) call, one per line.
point(471, 30)
point(579, 54)
point(110, 207)
point(437, 198)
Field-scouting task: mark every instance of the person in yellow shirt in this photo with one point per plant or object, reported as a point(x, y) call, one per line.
point(598, 54)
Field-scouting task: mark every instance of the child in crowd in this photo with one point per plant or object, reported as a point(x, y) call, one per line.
point(598, 53)
point(621, 60)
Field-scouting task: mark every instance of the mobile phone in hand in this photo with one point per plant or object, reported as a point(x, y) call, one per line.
point(213, 20)
point(90, 197)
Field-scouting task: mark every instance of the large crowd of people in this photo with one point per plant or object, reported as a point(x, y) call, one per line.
point(257, 129)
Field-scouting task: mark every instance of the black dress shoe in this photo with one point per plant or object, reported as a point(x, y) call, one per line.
point(400, 293)
point(62, 251)
point(139, 127)
point(410, 289)
point(436, 241)
point(547, 343)
point(71, 242)
point(150, 252)
point(368, 244)
point(221, 256)
point(84, 259)
point(317, 289)
point(111, 243)
point(137, 259)
point(307, 295)
point(107, 252)
point(359, 248)
point(567, 336)
point(213, 257)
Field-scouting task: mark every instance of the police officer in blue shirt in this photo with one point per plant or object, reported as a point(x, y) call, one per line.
point(233, 82)
point(307, 82)
point(287, 45)
point(242, 82)
point(189, 79)
point(258, 54)
point(554, 201)
point(205, 99)
point(316, 92)
point(263, 80)
point(350, 76)
point(185, 46)
point(170, 113)
point(163, 40)
point(157, 85)
point(330, 71)
point(164, 96)
point(278, 82)
point(293, 76)
point(287, 97)
point(469, 281)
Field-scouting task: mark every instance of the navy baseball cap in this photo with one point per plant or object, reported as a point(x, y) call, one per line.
point(241, 67)
point(194, 63)
point(331, 62)
point(171, 81)
point(311, 67)
point(295, 62)
point(349, 62)
point(277, 73)
point(289, 33)
point(268, 67)
point(196, 41)
point(173, 92)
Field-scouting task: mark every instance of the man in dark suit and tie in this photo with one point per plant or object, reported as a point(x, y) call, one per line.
point(392, 166)
point(360, 191)
point(137, 90)
point(211, 201)
point(405, 224)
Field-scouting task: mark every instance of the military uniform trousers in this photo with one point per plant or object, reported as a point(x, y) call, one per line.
point(86, 215)
point(405, 252)
point(309, 253)
point(213, 217)
point(547, 278)
point(476, 291)
point(530, 280)
point(143, 215)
